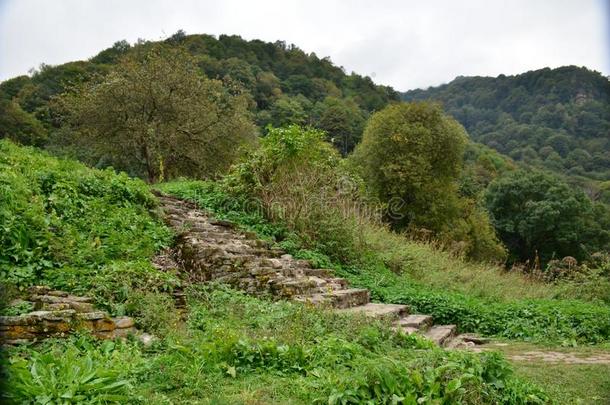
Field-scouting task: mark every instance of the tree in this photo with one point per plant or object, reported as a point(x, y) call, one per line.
point(342, 120)
point(412, 153)
point(410, 158)
point(156, 115)
point(19, 125)
point(539, 216)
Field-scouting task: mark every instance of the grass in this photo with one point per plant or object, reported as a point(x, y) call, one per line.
point(569, 384)
point(428, 265)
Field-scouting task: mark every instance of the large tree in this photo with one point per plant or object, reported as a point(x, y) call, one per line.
point(539, 216)
point(410, 158)
point(156, 115)
point(411, 153)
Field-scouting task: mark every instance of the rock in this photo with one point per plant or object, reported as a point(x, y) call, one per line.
point(81, 306)
point(222, 222)
point(146, 339)
point(122, 322)
point(91, 316)
point(103, 325)
point(58, 306)
point(124, 332)
point(57, 293)
point(63, 315)
point(38, 290)
point(475, 339)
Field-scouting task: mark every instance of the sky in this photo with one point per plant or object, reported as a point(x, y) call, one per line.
point(405, 43)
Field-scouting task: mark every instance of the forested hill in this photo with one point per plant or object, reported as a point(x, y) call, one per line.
point(555, 118)
point(286, 85)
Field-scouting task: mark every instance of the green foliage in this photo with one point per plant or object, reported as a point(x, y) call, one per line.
point(393, 269)
point(20, 126)
point(325, 357)
point(70, 226)
point(537, 215)
point(18, 308)
point(410, 159)
point(157, 117)
point(298, 179)
point(75, 372)
point(552, 118)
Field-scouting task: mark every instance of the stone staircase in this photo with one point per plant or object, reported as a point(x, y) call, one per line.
point(215, 250)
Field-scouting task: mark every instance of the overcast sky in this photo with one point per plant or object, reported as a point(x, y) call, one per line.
point(404, 43)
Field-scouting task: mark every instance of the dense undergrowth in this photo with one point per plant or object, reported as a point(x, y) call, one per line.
point(73, 228)
point(93, 232)
point(512, 307)
point(236, 349)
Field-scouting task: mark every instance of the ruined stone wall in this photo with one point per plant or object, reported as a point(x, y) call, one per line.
point(57, 314)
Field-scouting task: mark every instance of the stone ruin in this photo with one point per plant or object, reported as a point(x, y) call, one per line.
point(57, 314)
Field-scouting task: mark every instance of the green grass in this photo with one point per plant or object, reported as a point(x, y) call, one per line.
point(567, 383)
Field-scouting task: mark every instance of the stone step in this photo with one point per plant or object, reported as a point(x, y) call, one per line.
point(376, 310)
point(415, 322)
point(174, 210)
point(298, 286)
point(347, 298)
point(440, 334)
point(318, 272)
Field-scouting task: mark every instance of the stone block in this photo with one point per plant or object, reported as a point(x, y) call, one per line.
point(57, 293)
point(91, 316)
point(122, 322)
point(81, 306)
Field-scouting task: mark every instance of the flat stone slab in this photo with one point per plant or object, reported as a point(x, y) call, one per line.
point(415, 321)
point(439, 334)
point(92, 316)
point(376, 310)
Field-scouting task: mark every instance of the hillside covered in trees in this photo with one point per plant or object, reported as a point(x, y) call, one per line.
point(557, 119)
point(255, 161)
point(283, 85)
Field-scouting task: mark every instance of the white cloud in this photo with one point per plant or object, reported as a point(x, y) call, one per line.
point(405, 44)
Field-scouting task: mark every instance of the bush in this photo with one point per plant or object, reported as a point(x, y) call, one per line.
point(298, 179)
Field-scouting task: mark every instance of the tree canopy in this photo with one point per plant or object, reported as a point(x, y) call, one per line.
point(156, 115)
point(539, 217)
point(557, 119)
point(410, 158)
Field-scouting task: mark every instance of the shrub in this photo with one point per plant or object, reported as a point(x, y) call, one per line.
point(298, 179)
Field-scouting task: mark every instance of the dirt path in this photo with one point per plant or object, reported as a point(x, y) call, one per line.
point(529, 353)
